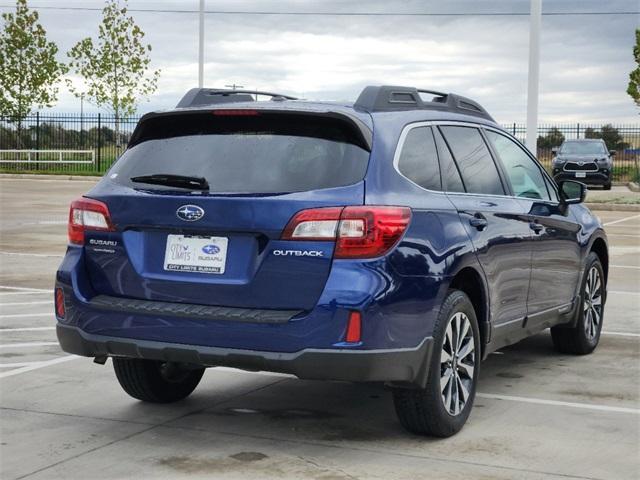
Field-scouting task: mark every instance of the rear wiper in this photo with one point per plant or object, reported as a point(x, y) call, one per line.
point(180, 181)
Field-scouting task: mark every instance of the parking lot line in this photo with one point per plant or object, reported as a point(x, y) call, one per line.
point(30, 368)
point(622, 292)
point(23, 293)
point(623, 235)
point(14, 304)
point(558, 403)
point(20, 254)
point(625, 266)
point(25, 289)
point(28, 344)
point(21, 364)
point(621, 334)
point(26, 329)
point(620, 220)
point(24, 315)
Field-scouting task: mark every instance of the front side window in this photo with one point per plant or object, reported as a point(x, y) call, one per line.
point(479, 172)
point(524, 174)
point(419, 160)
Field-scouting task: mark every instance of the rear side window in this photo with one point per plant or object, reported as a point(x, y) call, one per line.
point(419, 159)
point(477, 168)
point(254, 153)
point(450, 173)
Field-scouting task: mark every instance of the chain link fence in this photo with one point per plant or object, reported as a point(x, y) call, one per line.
point(88, 144)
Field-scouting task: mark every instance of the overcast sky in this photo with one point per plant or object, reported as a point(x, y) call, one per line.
point(585, 60)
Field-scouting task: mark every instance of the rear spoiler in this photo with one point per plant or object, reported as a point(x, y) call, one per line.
point(364, 132)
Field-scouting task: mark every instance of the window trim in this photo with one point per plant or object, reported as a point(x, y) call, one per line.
point(499, 166)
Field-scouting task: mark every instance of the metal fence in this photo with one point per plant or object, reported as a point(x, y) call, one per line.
point(61, 143)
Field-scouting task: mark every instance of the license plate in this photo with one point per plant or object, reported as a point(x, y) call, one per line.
point(581, 175)
point(196, 254)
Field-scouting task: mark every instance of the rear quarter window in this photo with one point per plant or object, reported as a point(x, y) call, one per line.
point(418, 159)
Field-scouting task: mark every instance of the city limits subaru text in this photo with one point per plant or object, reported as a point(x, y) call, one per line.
point(399, 239)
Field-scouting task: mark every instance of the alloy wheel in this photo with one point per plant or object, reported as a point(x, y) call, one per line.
point(457, 363)
point(592, 305)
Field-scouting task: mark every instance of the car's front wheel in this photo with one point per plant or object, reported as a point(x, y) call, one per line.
point(584, 337)
point(442, 408)
point(154, 381)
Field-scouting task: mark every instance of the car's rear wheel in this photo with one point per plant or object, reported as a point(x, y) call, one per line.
point(442, 408)
point(155, 381)
point(584, 337)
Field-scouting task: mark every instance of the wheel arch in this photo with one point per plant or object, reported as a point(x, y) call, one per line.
point(599, 247)
point(470, 281)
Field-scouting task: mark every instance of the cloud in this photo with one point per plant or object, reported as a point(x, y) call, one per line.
point(585, 60)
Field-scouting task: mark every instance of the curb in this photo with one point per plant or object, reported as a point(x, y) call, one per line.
point(32, 176)
point(633, 186)
point(613, 207)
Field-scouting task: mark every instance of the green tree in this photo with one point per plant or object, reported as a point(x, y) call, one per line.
point(29, 70)
point(115, 66)
point(610, 135)
point(634, 77)
point(553, 138)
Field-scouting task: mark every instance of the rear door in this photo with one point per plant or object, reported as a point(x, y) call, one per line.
point(555, 249)
point(221, 246)
point(495, 222)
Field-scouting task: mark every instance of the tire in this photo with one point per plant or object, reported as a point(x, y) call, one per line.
point(584, 337)
point(154, 381)
point(427, 411)
point(607, 186)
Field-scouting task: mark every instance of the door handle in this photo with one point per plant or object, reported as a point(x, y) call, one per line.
point(478, 221)
point(536, 227)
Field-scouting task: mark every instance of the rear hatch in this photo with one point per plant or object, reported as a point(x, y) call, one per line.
point(218, 241)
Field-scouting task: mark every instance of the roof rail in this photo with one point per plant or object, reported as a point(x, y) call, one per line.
point(213, 96)
point(388, 98)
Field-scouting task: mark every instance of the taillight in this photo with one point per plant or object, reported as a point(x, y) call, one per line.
point(359, 232)
point(87, 214)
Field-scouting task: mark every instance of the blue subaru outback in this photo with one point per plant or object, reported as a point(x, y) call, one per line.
point(398, 239)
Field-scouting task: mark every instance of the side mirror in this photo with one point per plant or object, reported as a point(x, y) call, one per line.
point(554, 150)
point(612, 152)
point(572, 192)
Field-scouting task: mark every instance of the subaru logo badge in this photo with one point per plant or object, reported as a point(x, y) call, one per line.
point(211, 249)
point(190, 213)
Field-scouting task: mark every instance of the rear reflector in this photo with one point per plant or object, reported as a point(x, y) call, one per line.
point(359, 232)
point(87, 214)
point(59, 303)
point(354, 327)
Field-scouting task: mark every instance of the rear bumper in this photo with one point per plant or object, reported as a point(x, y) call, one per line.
point(409, 365)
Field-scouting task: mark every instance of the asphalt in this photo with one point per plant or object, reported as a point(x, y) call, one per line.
point(539, 414)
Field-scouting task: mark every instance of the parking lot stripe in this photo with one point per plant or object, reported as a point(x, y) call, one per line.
point(558, 403)
point(622, 235)
point(621, 334)
point(14, 304)
point(625, 266)
point(25, 289)
point(28, 344)
point(622, 292)
point(20, 364)
point(27, 293)
point(26, 329)
point(620, 220)
point(20, 254)
point(30, 368)
point(23, 315)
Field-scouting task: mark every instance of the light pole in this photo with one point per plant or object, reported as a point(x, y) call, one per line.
point(201, 46)
point(534, 75)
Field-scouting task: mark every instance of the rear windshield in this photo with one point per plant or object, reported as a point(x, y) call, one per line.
point(582, 148)
point(254, 153)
